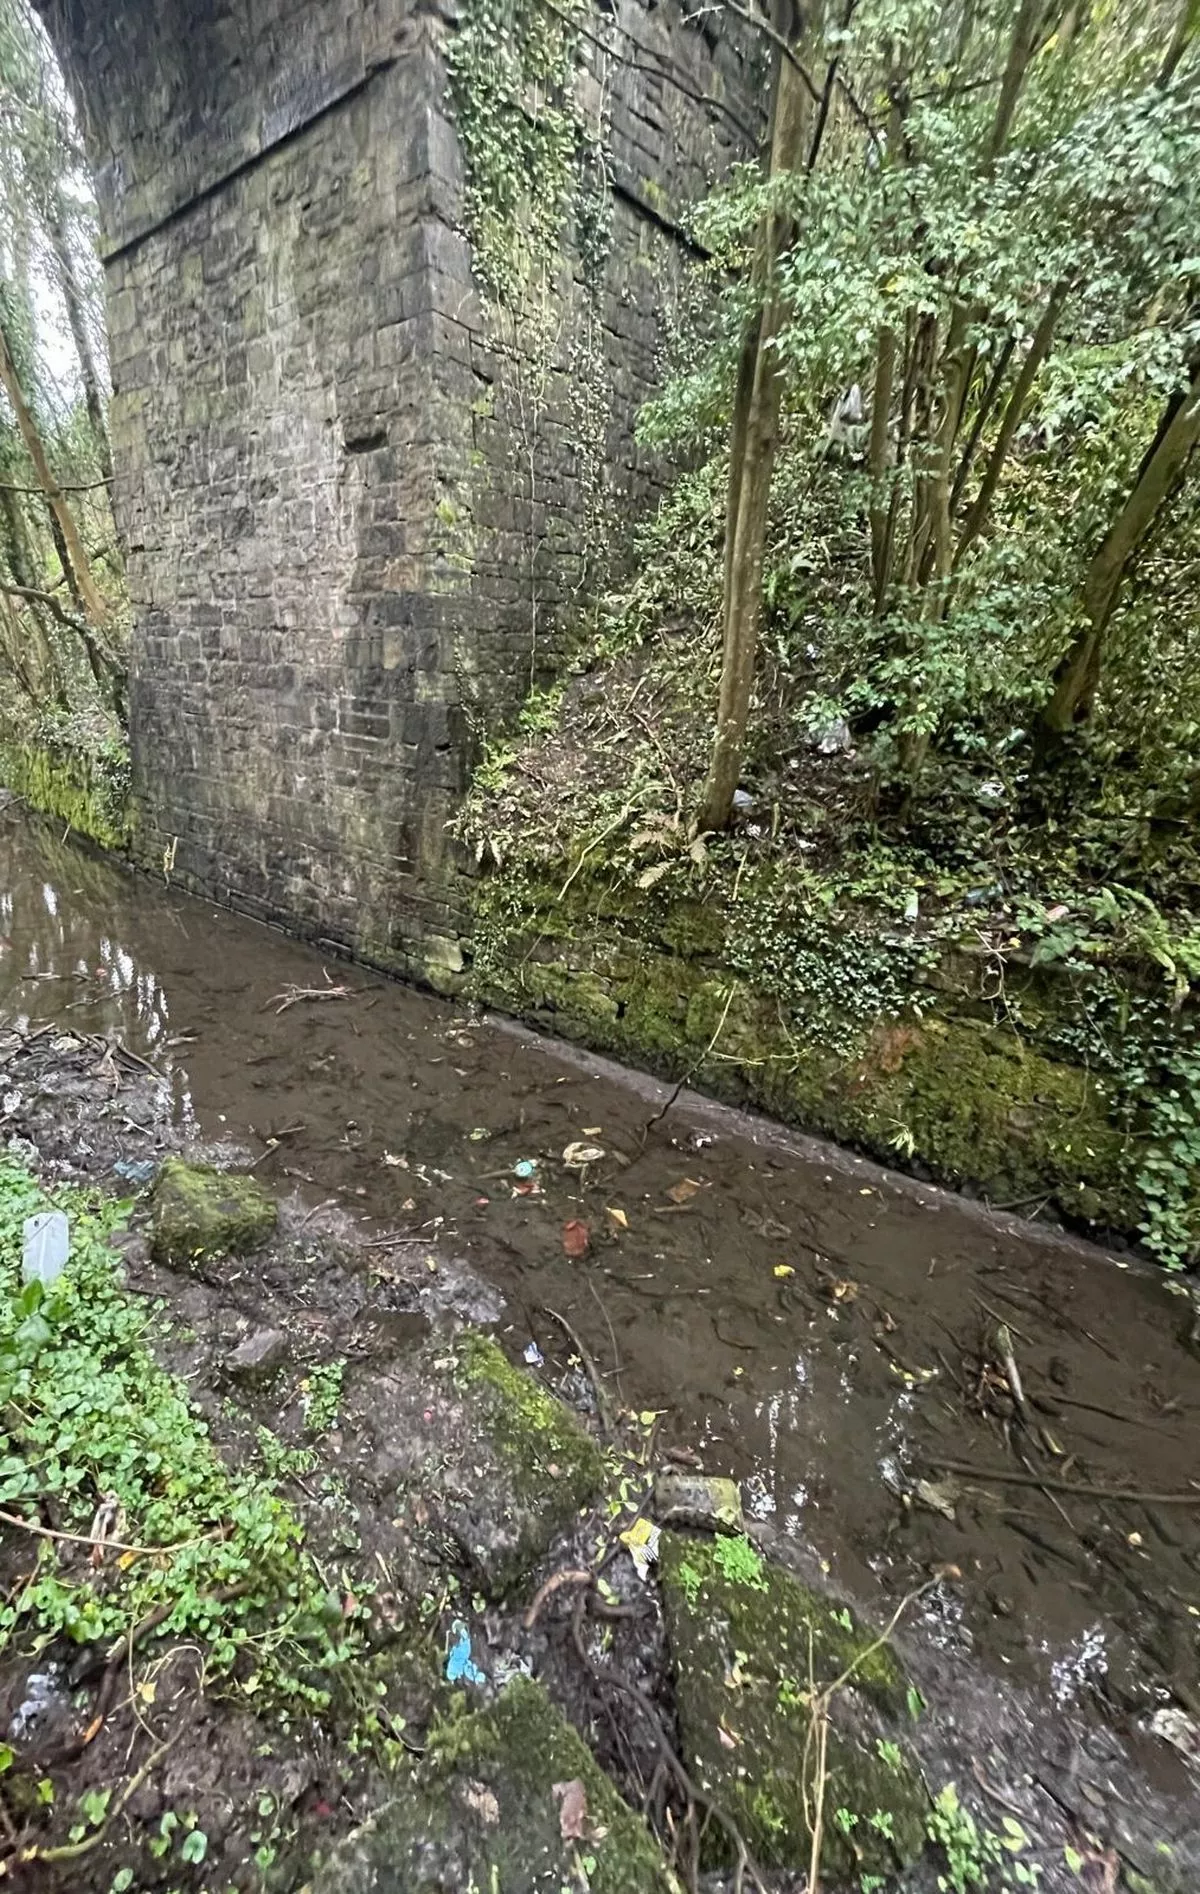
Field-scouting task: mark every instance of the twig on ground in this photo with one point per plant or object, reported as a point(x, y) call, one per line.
point(616, 1367)
point(657, 1117)
point(604, 1405)
point(572, 1575)
point(71, 1851)
point(291, 995)
point(595, 842)
point(607, 1679)
point(110, 1545)
point(330, 1203)
point(818, 1728)
point(1003, 1476)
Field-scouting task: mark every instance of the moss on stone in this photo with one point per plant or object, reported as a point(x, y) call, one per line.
point(480, 1813)
point(89, 793)
point(199, 1214)
point(982, 1106)
point(967, 1098)
point(543, 1443)
point(750, 1645)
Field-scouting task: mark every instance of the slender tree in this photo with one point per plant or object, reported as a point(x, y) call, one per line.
point(76, 564)
point(759, 392)
point(1162, 469)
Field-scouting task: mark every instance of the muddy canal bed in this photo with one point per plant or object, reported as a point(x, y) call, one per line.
point(907, 1386)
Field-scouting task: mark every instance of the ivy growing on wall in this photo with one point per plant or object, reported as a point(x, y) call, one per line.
point(532, 119)
point(512, 67)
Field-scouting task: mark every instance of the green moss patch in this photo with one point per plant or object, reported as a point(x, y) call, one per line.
point(750, 1646)
point(975, 1102)
point(86, 788)
point(477, 1450)
point(199, 1215)
point(540, 1439)
point(481, 1813)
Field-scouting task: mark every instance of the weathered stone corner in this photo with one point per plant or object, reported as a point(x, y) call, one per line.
point(479, 1452)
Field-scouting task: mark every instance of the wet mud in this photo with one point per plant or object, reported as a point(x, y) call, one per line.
point(904, 1383)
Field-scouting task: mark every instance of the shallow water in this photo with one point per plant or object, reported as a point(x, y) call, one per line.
point(816, 1326)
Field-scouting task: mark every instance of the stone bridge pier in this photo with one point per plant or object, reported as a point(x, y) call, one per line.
point(361, 496)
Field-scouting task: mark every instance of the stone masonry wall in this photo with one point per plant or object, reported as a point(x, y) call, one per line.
point(351, 533)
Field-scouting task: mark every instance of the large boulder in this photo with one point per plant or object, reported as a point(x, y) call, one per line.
point(468, 1445)
point(752, 1650)
point(199, 1214)
point(487, 1808)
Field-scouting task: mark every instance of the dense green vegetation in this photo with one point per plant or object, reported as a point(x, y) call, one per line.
point(204, 1551)
point(972, 304)
point(63, 630)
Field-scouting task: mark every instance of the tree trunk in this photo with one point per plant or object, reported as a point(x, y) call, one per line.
point(74, 298)
point(987, 401)
point(1186, 28)
point(1030, 19)
point(1079, 672)
point(77, 559)
point(1036, 354)
point(753, 440)
point(881, 408)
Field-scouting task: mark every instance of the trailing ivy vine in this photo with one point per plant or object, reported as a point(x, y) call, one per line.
point(512, 70)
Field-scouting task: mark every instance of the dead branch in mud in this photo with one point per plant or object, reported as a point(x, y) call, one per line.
point(658, 1116)
point(603, 1404)
point(605, 1679)
point(573, 1575)
point(292, 995)
point(1004, 1476)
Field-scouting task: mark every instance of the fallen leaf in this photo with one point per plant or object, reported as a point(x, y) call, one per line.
point(839, 1289)
point(685, 1188)
point(616, 1216)
point(578, 1154)
point(573, 1809)
point(726, 1737)
point(479, 1797)
point(939, 1496)
point(783, 1269)
point(592, 1131)
point(575, 1238)
point(770, 1227)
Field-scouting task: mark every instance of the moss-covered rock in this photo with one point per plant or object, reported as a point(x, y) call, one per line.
point(481, 1453)
point(199, 1214)
point(750, 1646)
point(539, 1438)
point(480, 1813)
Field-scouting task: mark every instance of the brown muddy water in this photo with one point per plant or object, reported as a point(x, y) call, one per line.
point(821, 1329)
